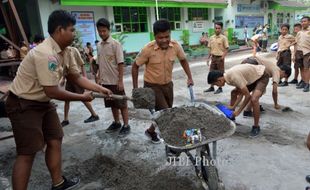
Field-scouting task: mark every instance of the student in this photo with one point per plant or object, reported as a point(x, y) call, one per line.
point(33, 117)
point(255, 43)
point(71, 87)
point(284, 56)
point(218, 50)
point(158, 57)
point(275, 72)
point(111, 71)
point(296, 56)
point(303, 41)
point(246, 78)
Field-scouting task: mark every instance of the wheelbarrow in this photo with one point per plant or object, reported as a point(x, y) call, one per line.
point(207, 174)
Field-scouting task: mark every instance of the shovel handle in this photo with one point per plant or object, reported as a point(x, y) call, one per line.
point(114, 96)
point(191, 93)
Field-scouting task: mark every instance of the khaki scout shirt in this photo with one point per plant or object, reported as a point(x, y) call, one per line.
point(303, 40)
point(110, 55)
point(76, 58)
point(243, 75)
point(43, 66)
point(285, 42)
point(218, 44)
point(271, 69)
point(159, 62)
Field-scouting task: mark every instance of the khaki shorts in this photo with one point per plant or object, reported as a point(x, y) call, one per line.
point(115, 103)
point(74, 88)
point(33, 123)
point(285, 58)
point(217, 63)
point(260, 84)
point(163, 95)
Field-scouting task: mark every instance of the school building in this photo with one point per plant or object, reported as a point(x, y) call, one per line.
point(134, 18)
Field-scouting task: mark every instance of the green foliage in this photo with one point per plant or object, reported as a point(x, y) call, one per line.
point(185, 37)
point(120, 37)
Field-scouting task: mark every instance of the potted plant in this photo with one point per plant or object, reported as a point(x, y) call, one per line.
point(185, 40)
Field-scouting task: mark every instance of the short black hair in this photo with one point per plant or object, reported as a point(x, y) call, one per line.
point(219, 23)
point(96, 41)
point(38, 38)
point(103, 23)
point(214, 75)
point(307, 17)
point(286, 69)
point(60, 18)
point(297, 25)
point(285, 25)
point(161, 25)
point(88, 43)
point(250, 60)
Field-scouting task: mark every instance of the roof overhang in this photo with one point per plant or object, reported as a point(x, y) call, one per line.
point(287, 5)
point(148, 3)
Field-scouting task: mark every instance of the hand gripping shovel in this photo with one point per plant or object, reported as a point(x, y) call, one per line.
point(142, 98)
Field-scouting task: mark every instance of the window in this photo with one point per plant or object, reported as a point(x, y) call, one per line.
point(197, 14)
point(171, 14)
point(131, 19)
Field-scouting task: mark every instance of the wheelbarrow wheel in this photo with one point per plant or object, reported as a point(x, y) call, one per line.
point(209, 172)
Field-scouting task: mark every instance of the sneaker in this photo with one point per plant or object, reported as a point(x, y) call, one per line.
point(247, 114)
point(285, 83)
point(261, 109)
point(124, 131)
point(302, 85)
point(113, 127)
point(255, 131)
point(306, 88)
point(211, 89)
point(300, 82)
point(67, 184)
point(92, 119)
point(280, 82)
point(218, 91)
point(308, 178)
point(64, 123)
point(153, 136)
point(294, 81)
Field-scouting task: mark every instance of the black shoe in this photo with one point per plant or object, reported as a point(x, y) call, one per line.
point(306, 88)
point(218, 91)
point(255, 131)
point(211, 89)
point(285, 83)
point(67, 184)
point(64, 123)
point(294, 81)
point(300, 82)
point(308, 178)
point(261, 108)
point(92, 119)
point(113, 127)
point(247, 114)
point(124, 131)
point(302, 85)
point(280, 82)
point(153, 136)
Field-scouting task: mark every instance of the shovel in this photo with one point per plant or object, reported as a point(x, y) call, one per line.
point(142, 98)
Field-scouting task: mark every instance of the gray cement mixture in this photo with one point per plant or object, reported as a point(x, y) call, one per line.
point(173, 122)
point(143, 98)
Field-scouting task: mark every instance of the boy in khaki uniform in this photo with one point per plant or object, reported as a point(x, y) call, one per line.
point(77, 59)
point(158, 57)
point(218, 46)
point(33, 117)
point(303, 40)
point(110, 74)
point(296, 57)
point(284, 56)
point(246, 78)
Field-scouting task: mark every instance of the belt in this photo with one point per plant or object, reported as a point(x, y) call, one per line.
point(216, 55)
